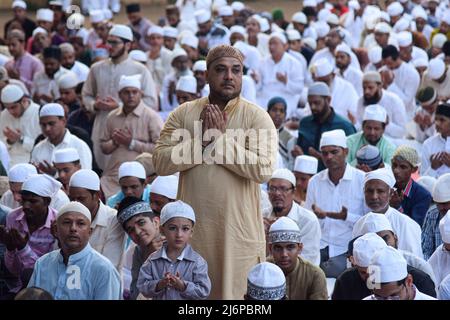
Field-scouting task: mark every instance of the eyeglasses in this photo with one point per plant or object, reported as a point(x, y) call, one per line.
point(283, 190)
point(113, 43)
point(394, 296)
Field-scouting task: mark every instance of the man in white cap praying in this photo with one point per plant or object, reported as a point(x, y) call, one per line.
point(163, 191)
point(101, 90)
point(266, 281)
point(68, 61)
point(210, 34)
point(53, 125)
point(170, 36)
point(335, 196)
point(19, 8)
point(408, 51)
point(99, 31)
point(304, 281)
point(66, 163)
point(107, 235)
point(437, 76)
point(19, 123)
point(389, 278)
point(281, 189)
point(68, 85)
point(345, 69)
point(186, 89)
point(76, 271)
point(304, 168)
point(440, 259)
point(199, 69)
point(131, 129)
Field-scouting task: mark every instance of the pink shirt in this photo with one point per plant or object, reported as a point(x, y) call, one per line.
point(28, 66)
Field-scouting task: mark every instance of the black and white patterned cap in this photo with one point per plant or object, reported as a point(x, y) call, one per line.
point(132, 210)
point(284, 230)
point(266, 281)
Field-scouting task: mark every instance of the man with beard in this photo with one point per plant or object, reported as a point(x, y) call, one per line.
point(345, 70)
point(373, 93)
point(323, 119)
point(138, 23)
point(68, 61)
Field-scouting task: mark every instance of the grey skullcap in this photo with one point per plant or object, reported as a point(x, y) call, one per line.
point(369, 155)
point(319, 89)
point(372, 76)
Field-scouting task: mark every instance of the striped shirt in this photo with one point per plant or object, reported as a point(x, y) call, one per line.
point(431, 236)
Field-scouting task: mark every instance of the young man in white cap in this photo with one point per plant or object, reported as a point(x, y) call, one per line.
point(335, 196)
point(107, 236)
point(100, 91)
point(408, 51)
point(19, 123)
point(68, 61)
point(437, 76)
point(281, 189)
point(132, 182)
point(99, 31)
point(440, 259)
point(304, 168)
point(199, 69)
point(373, 128)
point(186, 89)
point(189, 43)
point(266, 281)
point(345, 69)
point(304, 281)
point(68, 87)
point(76, 271)
point(170, 36)
point(163, 191)
point(159, 57)
point(210, 34)
point(66, 162)
point(19, 9)
point(425, 113)
point(53, 124)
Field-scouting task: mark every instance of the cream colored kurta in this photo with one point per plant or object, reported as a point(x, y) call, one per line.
point(103, 81)
point(229, 231)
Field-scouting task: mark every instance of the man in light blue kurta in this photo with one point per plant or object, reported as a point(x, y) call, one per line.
point(76, 271)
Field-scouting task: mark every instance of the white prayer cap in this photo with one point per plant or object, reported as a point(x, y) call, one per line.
point(38, 30)
point(323, 14)
point(66, 155)
point(278, 35)
point(177, 52)
point(365, 247)
point(138, 55)
point(353, 4)
point(199, 65)
point(44, 15)
point(132, 169)
point(133, 81)
point(166, 186)
point(237, 6)
point(375, 112)
point(52, 109)
point(86, 179)
point(299, 17)
point(293, 35)
point(284, 230)
point(310, 3)
point(402, 25)
point(436, 68)
point(332, 19)
point(420, 62)
point(319, 89)
point(322, 29)
point(395, 9)
point(155, 30)
point(264, 24)
point(343, 48)
point(56, 3)
point(170, 32)
point(68, 80)
point(383, 174)
point(444, 228)
point(446, 17)
point(121, 31)
point(310, 42)
point(266, 281)
point(107, 14)
point(225, 11)
point(177, 209)
point(202, 16)
point(187, 84)
point(11, 93)
point(20, 172)
point(419, 12)
point(385, 16)
point(306, 164)
point(439, 40)
point(427, 182)
point(74, 207)
point(19, 4)
point(190, 40)
point(372, 222)
point(321, 68)
point(96, 16)
point(334, 138)
point(441, 190)
point(444, 289)
point(238, 29)
point(387, 265)
point(382, 27)
point(42, 185)
point(284, 174)
point(404, 38)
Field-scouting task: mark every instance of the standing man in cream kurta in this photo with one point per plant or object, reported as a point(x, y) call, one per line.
point(224, 192)
point(100, 91)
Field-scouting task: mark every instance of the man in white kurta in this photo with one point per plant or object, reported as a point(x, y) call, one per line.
point(159, 57)
point(345, 70)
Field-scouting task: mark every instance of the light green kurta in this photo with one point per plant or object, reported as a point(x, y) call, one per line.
point(229, 231)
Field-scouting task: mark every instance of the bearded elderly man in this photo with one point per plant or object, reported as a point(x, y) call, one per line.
point(224, 192)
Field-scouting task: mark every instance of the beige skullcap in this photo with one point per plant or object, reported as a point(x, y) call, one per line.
point(408, 153)
point(372, 76)
point(222, 51)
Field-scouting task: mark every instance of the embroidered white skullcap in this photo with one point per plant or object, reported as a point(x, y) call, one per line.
point(420, 62)
point(441, 190)
point(42, 185)
point(344, 48)
point(284, 230)
point(322, 28)
point(395, 9)
point(202, 16)
point(319, 89)
point(68, 80)
point(278, 35)
point(11, 93)
point(238, 29)
point(74, 207)
point(310, 42)
point(155, 30)
point(132, 169)
point(387, 265)
point(225, 11)
point(121, 31)
point(52, 109)
point(170, 32)
point(306, 164)
point(190, 40)
point(321, 68)
point(404, 38)
point(199, 65)
point(382, 27)
point(166, 186)
point(86, 179)
point(187, 84)
point(177, 52)
point(66, 155)
point(310, 3)
point(427, 182)
point(138, 55)
point(365, 247)
point(332, 19)
point(20, 172)
point(436, 68)
point(383, 174)
point(133, 81)
point(19, 4)
point(299, 17)
point(419, 12)
point(372, 222)
point(334, 138)
point(39, 30)
point(266, 281)
point(444, 228)
point(96, 16)
point(177, 209)
point(237, 6)
point(44, 15)
point(284, 174)
point(293, 35)
point(375, 112)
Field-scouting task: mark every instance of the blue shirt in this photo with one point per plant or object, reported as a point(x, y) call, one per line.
point(87, 276)
point(431, 235)
point(119, 196)
point(416, 202)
